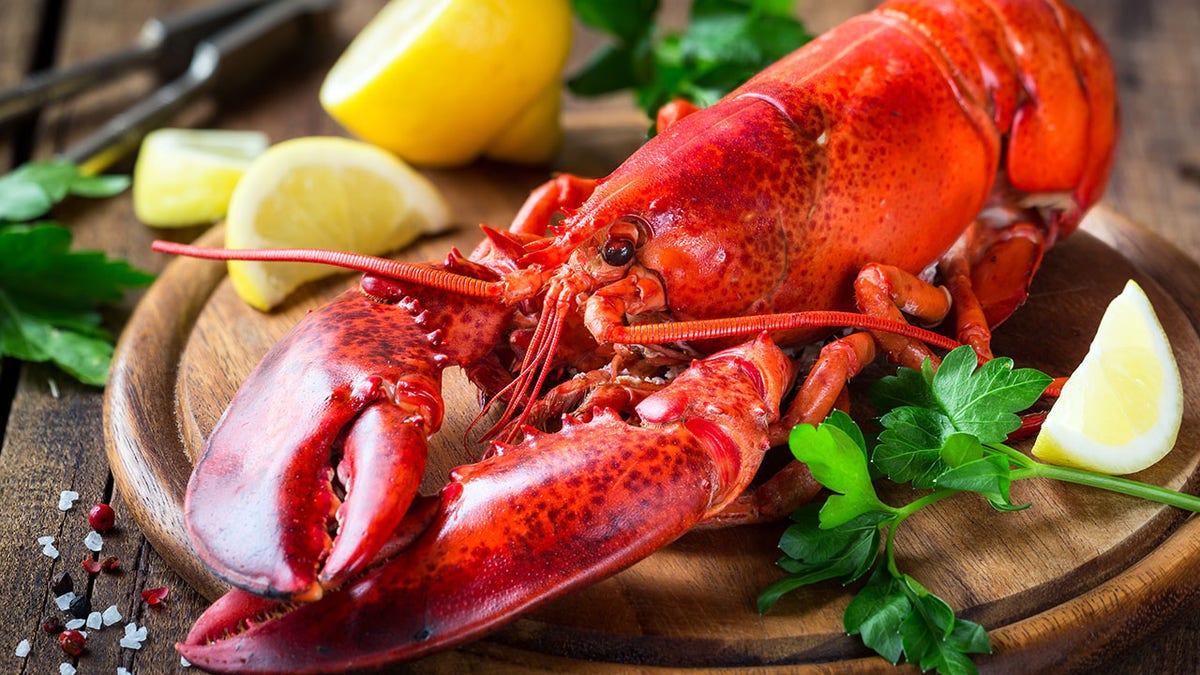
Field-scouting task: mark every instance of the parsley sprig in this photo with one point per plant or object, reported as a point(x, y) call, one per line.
point(943, 433)
point(724, 44)
point(48, 292)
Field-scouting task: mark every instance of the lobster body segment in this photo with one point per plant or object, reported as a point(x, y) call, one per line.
point(879, 141)
point(913, 163)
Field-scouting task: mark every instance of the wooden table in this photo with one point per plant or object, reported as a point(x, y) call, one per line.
point(53, 434)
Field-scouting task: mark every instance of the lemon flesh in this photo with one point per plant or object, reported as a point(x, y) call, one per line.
point(187, 176)
point(438, 82)
point(1121, 409)
point(328, 193)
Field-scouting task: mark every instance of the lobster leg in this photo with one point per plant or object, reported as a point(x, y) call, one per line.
point(839, 362)
point(793, 485)
point(561, 193)
point(1003, 268)
point(672, 112)
point(885, 291)
point(533, 521)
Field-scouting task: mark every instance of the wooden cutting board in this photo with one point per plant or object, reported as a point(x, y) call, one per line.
point(1056, 585)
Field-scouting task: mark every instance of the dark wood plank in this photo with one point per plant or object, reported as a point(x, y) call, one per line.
point(1155, 179)
point(62, 432)
point(67, 450)
point(18, 42)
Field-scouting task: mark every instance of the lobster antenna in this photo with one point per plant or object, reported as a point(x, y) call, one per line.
point(705, 329)
point(423, 275)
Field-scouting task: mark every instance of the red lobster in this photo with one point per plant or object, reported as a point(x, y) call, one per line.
point(929, 141)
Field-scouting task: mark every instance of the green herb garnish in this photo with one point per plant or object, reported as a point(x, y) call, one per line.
point(725, 43)
point(943, 433)
point(48, 293)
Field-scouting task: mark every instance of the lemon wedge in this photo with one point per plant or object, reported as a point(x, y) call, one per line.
point(1121, 409)
point(186, 176)
point(438, 82)
point(328, 193)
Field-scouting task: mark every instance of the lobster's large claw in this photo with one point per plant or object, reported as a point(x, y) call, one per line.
point(352, 391)
point(537, 520)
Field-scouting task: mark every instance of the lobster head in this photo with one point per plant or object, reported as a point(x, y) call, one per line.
point(712, 244)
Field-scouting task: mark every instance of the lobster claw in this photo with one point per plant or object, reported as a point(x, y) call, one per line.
point(323, 411)
point(530, 523)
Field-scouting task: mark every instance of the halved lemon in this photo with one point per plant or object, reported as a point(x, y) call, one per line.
point(186, 176)
point(328, 193)
point(439, 82)
point(1121, 409)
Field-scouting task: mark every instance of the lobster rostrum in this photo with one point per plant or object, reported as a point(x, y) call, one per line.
point(916, 159)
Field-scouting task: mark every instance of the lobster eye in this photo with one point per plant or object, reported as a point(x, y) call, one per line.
point(617, 252)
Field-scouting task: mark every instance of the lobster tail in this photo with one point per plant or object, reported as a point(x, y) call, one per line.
point(1046, 81)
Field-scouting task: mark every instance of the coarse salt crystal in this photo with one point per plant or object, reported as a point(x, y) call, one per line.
point(47, 539)
point(94, 621)
point(111, 615)
point(184, 662)
point(133, 632)
point(66, 499)
point(122, 671)
point(134, 636)
point(50, 552)
point(64, 601)
point(66, 669)
point(93, 541)
point(23, 648)
point(75, 623)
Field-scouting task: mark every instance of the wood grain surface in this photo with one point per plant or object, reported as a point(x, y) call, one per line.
point(53, 434)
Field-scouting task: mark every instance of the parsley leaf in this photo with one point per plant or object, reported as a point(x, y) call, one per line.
point(983, 402)
point(910, 446)
point(980, 401)
point(990, 476)
point(926, 409)
point(838, 462)
point(49, 293)
point(814, 553)
point(725, 43)
point(48, 296)
point(932, 637)
point(31, 190)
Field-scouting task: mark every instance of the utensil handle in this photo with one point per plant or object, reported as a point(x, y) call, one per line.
point(165, 43)
point(241, 50)
point(122, 133)
point(53, 85)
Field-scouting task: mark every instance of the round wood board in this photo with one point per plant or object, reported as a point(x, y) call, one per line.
point(1057, 585)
